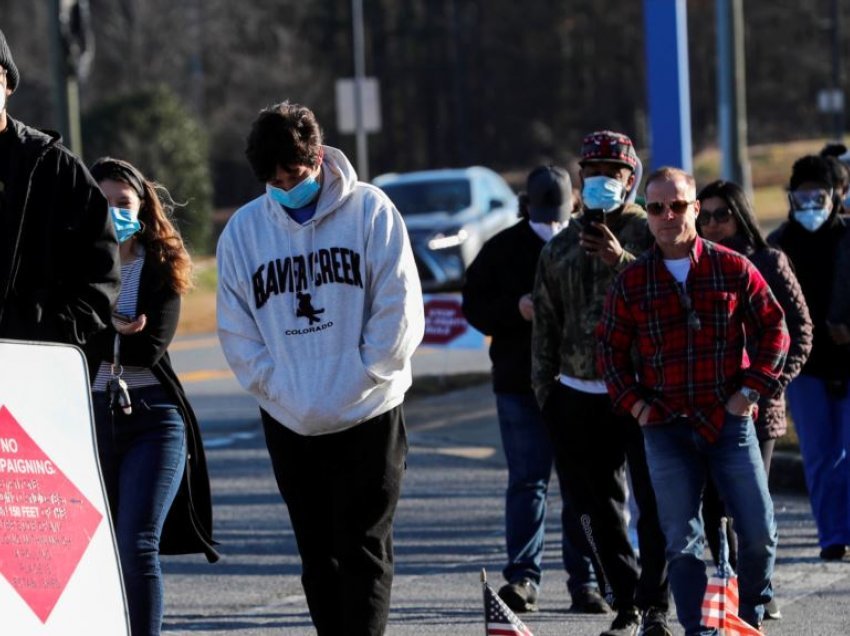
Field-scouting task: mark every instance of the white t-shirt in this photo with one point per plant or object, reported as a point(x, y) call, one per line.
point(679, 267)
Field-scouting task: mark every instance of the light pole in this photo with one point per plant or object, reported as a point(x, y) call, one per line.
point(837, 87)
point(359, 72)
point(731, 93)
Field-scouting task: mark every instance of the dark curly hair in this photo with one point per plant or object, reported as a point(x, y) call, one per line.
point(283, 135)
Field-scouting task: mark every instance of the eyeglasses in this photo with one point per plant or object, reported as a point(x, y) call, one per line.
point(656, 208)
point(720, 215)
point(693, 320)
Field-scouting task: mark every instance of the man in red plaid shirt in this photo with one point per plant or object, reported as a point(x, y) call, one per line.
point(671, 350)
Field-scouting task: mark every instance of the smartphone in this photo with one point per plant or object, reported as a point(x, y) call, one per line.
point(592, 216)
point(122, 317)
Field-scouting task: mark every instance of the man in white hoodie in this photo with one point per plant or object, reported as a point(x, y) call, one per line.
point(319, 313)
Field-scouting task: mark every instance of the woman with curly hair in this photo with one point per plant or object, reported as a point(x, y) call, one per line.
point(149, 441)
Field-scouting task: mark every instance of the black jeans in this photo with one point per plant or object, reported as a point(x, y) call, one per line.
point(592, 447)
point(342, 490)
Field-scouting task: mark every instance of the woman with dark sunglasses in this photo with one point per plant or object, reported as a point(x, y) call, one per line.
point(726, 217)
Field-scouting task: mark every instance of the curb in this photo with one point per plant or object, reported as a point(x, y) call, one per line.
point(786, 467)
point(427, 385)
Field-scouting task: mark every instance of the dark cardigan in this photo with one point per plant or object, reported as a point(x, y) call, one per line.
point(188, 526)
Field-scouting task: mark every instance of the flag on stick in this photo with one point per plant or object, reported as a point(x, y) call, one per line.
point(720, 603)
point(498, 617)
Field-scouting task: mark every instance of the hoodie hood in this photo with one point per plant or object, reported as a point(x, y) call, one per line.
point(338, 182)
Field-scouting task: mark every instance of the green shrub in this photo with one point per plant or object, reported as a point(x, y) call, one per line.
point(151, 129)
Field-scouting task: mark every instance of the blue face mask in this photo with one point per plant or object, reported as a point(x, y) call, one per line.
point(811, 219)
point(299, 196)
point(126, 223)
point(603, 193)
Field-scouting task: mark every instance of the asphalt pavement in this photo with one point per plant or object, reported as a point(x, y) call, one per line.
point(449, 525)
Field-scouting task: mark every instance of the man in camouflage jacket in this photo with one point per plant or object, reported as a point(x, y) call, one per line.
point(591, 442)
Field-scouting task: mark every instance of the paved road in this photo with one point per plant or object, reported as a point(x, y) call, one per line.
point(449, 526)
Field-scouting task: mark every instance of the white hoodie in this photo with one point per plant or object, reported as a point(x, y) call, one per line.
point(319, 321)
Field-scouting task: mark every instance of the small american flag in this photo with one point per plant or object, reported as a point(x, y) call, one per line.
point(720, 603)
point(498, 617)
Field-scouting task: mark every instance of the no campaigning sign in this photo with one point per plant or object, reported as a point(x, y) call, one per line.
point(46, 523)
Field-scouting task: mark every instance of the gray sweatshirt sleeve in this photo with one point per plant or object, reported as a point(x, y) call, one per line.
point(394, 321)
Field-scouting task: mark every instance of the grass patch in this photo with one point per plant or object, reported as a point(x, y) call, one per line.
point(197, 312)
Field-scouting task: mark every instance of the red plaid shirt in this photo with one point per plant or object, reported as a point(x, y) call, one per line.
point(648, 350)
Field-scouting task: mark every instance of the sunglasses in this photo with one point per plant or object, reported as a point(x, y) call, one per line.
point(685, 300)
point(808, 199)
point(656, 208)
point(720, 215)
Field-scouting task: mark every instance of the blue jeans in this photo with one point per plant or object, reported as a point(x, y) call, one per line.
point(822, 421)
point(528, 450)
point(678, 459)
point(142, 458)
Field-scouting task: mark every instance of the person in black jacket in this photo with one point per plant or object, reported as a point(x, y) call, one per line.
point(497, 301)
point(58, 255)
point(151, 453)
point(814, 237)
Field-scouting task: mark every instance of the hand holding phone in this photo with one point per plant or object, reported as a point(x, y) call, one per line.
point(127, 325)
point(123, 318)
point(588, 218)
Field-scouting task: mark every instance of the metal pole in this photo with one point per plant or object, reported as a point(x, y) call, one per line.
point(66, 88)
point(359, 69)
point(838, 113)
point(668, 83)
point(744, 174)
point(57, 61)
point(731, 93)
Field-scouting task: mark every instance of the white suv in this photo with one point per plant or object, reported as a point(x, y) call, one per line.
point(449, 215)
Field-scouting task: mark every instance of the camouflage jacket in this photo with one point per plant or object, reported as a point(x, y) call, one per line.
point(569, 292)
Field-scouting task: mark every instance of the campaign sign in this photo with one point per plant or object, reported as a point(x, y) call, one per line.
point(59, 569)
point(445, 324)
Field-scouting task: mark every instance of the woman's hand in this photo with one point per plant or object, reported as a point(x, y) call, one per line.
point(839, 333)
point(526, 307)
point(130, 328)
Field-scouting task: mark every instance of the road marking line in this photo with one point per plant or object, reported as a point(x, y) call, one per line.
point(205, 374)
point(195, 343)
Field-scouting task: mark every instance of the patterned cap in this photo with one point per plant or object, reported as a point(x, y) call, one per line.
point(609, 146)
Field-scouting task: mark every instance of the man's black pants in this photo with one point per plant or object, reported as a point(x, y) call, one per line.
point(342, 490)
point(591, 446)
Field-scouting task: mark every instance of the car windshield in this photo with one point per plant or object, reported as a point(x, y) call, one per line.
point(422, 197)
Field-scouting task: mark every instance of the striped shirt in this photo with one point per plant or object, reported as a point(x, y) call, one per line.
point(134, 376)
point(682, 348)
